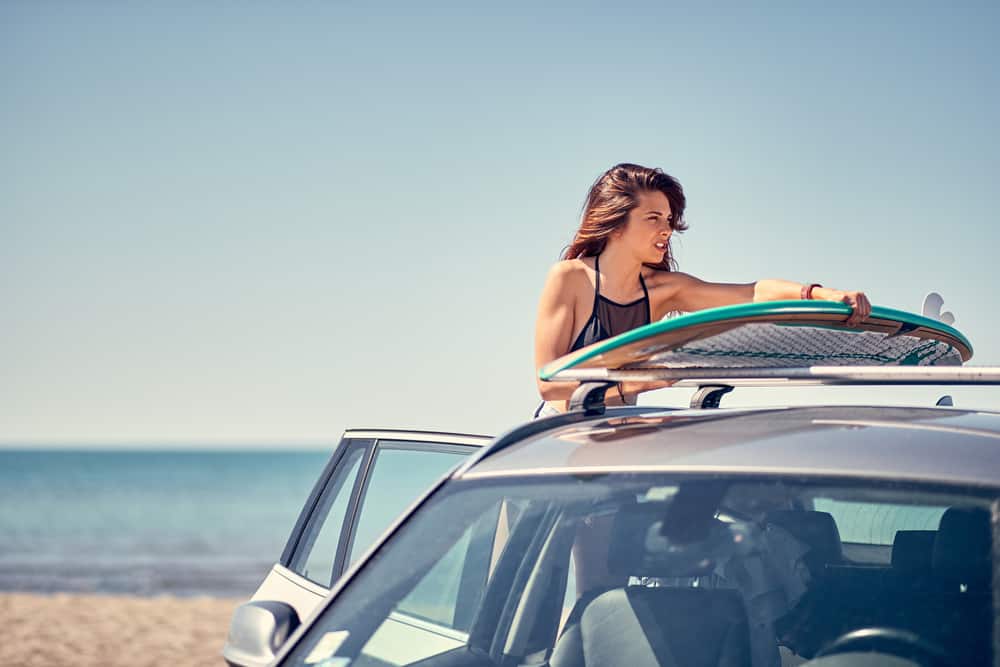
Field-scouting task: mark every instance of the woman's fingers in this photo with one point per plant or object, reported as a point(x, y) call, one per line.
point(860, 305)
point(851, 300)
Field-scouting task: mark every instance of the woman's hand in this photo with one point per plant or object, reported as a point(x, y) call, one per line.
point(858, 301)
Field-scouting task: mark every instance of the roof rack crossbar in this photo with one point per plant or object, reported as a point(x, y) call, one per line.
point(589, 396)
point(809, 375)
point(709, 396)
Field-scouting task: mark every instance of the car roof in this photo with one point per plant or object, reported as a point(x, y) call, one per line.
point(942, 445)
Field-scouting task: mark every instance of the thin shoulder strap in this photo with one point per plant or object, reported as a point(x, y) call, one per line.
point(645, 292)
point(597, 280)
point(642, 282)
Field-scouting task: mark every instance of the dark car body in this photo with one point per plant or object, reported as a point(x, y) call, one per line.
point(929, 467)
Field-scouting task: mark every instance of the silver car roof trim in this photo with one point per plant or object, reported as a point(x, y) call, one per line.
point(812, 375)
point(419, 436)
point(714, 469)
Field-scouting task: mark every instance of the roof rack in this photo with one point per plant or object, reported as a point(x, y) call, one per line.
point(713, 383)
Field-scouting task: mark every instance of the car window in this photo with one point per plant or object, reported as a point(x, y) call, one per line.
point(436, 615)
point(435, 598)
point(450, 593)
point(716, 569)
point(399, 474)
point(316, 552)
point(877, 524)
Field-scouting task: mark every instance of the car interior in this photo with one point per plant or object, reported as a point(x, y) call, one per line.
point(704, 573)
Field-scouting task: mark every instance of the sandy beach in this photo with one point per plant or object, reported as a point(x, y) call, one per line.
point(92, 630)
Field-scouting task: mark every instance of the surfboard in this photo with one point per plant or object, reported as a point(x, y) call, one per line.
point(776, 334)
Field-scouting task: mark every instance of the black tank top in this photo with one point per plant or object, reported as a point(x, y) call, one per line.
point(610, 318)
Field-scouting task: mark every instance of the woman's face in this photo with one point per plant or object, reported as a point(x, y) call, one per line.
point(648, 227)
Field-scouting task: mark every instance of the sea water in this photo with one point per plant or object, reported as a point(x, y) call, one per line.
point(148, 522)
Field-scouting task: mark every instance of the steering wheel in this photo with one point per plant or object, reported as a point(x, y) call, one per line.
point(894, 641)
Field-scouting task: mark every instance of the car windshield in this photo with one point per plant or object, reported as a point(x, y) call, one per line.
point(656, 569)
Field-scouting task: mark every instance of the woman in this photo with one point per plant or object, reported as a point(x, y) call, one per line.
point(619, 274)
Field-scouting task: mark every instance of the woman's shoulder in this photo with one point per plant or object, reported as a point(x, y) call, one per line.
point(570, 277)
point(571, 270)
point(660, 277)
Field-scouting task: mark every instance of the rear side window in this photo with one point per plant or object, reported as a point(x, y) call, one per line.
point(316, 554)
point(400, 473)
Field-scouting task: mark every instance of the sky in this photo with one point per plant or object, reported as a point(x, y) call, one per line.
point(261, 224)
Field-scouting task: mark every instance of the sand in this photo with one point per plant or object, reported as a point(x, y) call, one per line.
point(92, 630)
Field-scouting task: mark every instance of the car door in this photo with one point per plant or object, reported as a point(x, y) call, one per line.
point(371, 478)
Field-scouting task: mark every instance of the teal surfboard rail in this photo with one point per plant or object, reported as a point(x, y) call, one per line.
point(763, 309)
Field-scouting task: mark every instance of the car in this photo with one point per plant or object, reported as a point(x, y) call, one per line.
point(837, 535)
point(826, 535)
point(370, 478)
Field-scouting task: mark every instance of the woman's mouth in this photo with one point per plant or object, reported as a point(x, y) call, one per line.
point(661, 245)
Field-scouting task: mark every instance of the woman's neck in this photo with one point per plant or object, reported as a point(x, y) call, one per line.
point(619, 266)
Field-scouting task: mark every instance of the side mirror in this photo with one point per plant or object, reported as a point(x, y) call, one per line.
point(257, 631)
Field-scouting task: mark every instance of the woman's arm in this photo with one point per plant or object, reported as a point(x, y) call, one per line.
point(690, 293)
point(776, 290)
point(553, 328)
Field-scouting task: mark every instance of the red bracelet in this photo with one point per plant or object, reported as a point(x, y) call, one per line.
point(807, 291)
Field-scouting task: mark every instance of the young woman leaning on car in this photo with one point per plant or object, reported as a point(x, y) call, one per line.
point(619, 273)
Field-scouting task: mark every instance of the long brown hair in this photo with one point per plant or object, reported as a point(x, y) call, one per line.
point(610, 199)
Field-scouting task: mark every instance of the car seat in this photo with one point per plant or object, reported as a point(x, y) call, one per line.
point(659, 626)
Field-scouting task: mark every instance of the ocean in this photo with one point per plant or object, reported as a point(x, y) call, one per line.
point(148, 522)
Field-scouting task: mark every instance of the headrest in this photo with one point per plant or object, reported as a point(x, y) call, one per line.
point(817, 529)
point(962, 547)
point(639, 548)
point(912, 549)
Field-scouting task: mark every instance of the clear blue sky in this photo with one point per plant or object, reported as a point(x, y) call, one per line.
point(227, 222)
